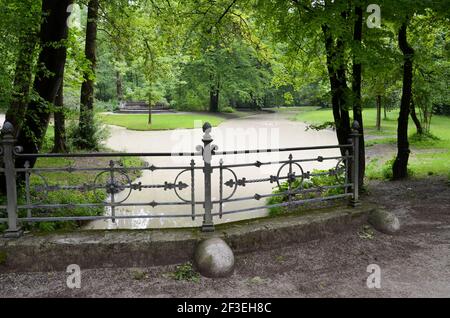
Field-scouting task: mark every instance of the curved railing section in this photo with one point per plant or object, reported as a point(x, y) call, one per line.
point(115, 182)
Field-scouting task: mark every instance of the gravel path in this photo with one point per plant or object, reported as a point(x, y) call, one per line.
point(414, 263)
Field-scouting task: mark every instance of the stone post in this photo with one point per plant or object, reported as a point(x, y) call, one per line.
point(14, 231)
point(208, 148)
point(355, 164)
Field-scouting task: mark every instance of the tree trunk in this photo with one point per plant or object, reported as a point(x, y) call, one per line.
point(338, 86)
point(119, 86)
point(86, 125)
point(60, 145)
point(22, 82)
point(416, 120)
point(48, 78)
point(150, 111)
point(400, 167)
point(214, 97)
point(214, 100)
point(378, 125)
point(427, 115)
point(356, 87)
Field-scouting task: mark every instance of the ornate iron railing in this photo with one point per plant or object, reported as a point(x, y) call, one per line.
point(115, 179)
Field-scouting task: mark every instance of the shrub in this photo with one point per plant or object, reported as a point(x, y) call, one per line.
point(185, 272)
point(313, 182)
point(96, 134)
point(386, 171)
point(68, 197)
point(425, 138)
point(227, 110)
point(3, 226)
point(106, 106)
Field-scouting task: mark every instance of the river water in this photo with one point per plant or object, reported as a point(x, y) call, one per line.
point(254, 132)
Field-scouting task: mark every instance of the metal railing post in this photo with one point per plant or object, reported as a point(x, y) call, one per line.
point(355, 164)
point(208, 148)
point(14, 231)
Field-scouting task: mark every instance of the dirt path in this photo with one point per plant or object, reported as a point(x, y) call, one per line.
point(416, 262)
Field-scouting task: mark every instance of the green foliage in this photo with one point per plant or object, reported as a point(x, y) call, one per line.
point(234, 68)
point(425, 138)
point(325, 125)
point(254, 53)
point(62, 178)
point(67, 197)
point(93, 141)
point(19, 22)
point(366, 233)
point(138, 274)
point(61, 196)
point(3, 257)
point(3, 226)
point(185, 272)
point(432, 66)
point(228, 110)
point(324, 179)
point(106, 106)
point(386, 171)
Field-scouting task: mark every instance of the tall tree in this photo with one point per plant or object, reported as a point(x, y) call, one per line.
point(60, 144)
point(86, 128)
point(49, 76)
point(336, 43)
point(414, 117)
point(356, 88)
point(400, 166)
point(214, 93)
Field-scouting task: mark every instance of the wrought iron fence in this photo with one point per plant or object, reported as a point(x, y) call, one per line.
point(115, 179)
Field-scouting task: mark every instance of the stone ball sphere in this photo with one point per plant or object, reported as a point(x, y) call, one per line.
point(214, 258)
point(384, 221)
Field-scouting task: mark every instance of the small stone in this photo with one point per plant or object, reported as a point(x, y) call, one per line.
point(256, 280)
point(137, 274)
point(214, 258)
point(384, 221)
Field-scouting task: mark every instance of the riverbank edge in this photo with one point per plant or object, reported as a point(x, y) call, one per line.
point(141, 248)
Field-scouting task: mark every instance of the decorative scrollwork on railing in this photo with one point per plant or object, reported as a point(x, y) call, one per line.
point(340, 171)
point(291, 182)
point(292, 176)
point(231, 183)
point(116, 182)
point(178, 185)
point(41, 189)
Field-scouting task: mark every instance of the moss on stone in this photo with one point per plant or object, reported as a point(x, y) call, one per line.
point(3, 257)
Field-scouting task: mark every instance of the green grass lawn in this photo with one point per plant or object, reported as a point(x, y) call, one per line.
point(429, 156)
point(160, 121)
point(388, 125)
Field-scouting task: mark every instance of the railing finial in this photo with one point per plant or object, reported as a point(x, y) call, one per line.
point(7, 129)
point(207, 127)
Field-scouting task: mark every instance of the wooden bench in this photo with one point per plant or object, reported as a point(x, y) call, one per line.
point(142, 107)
